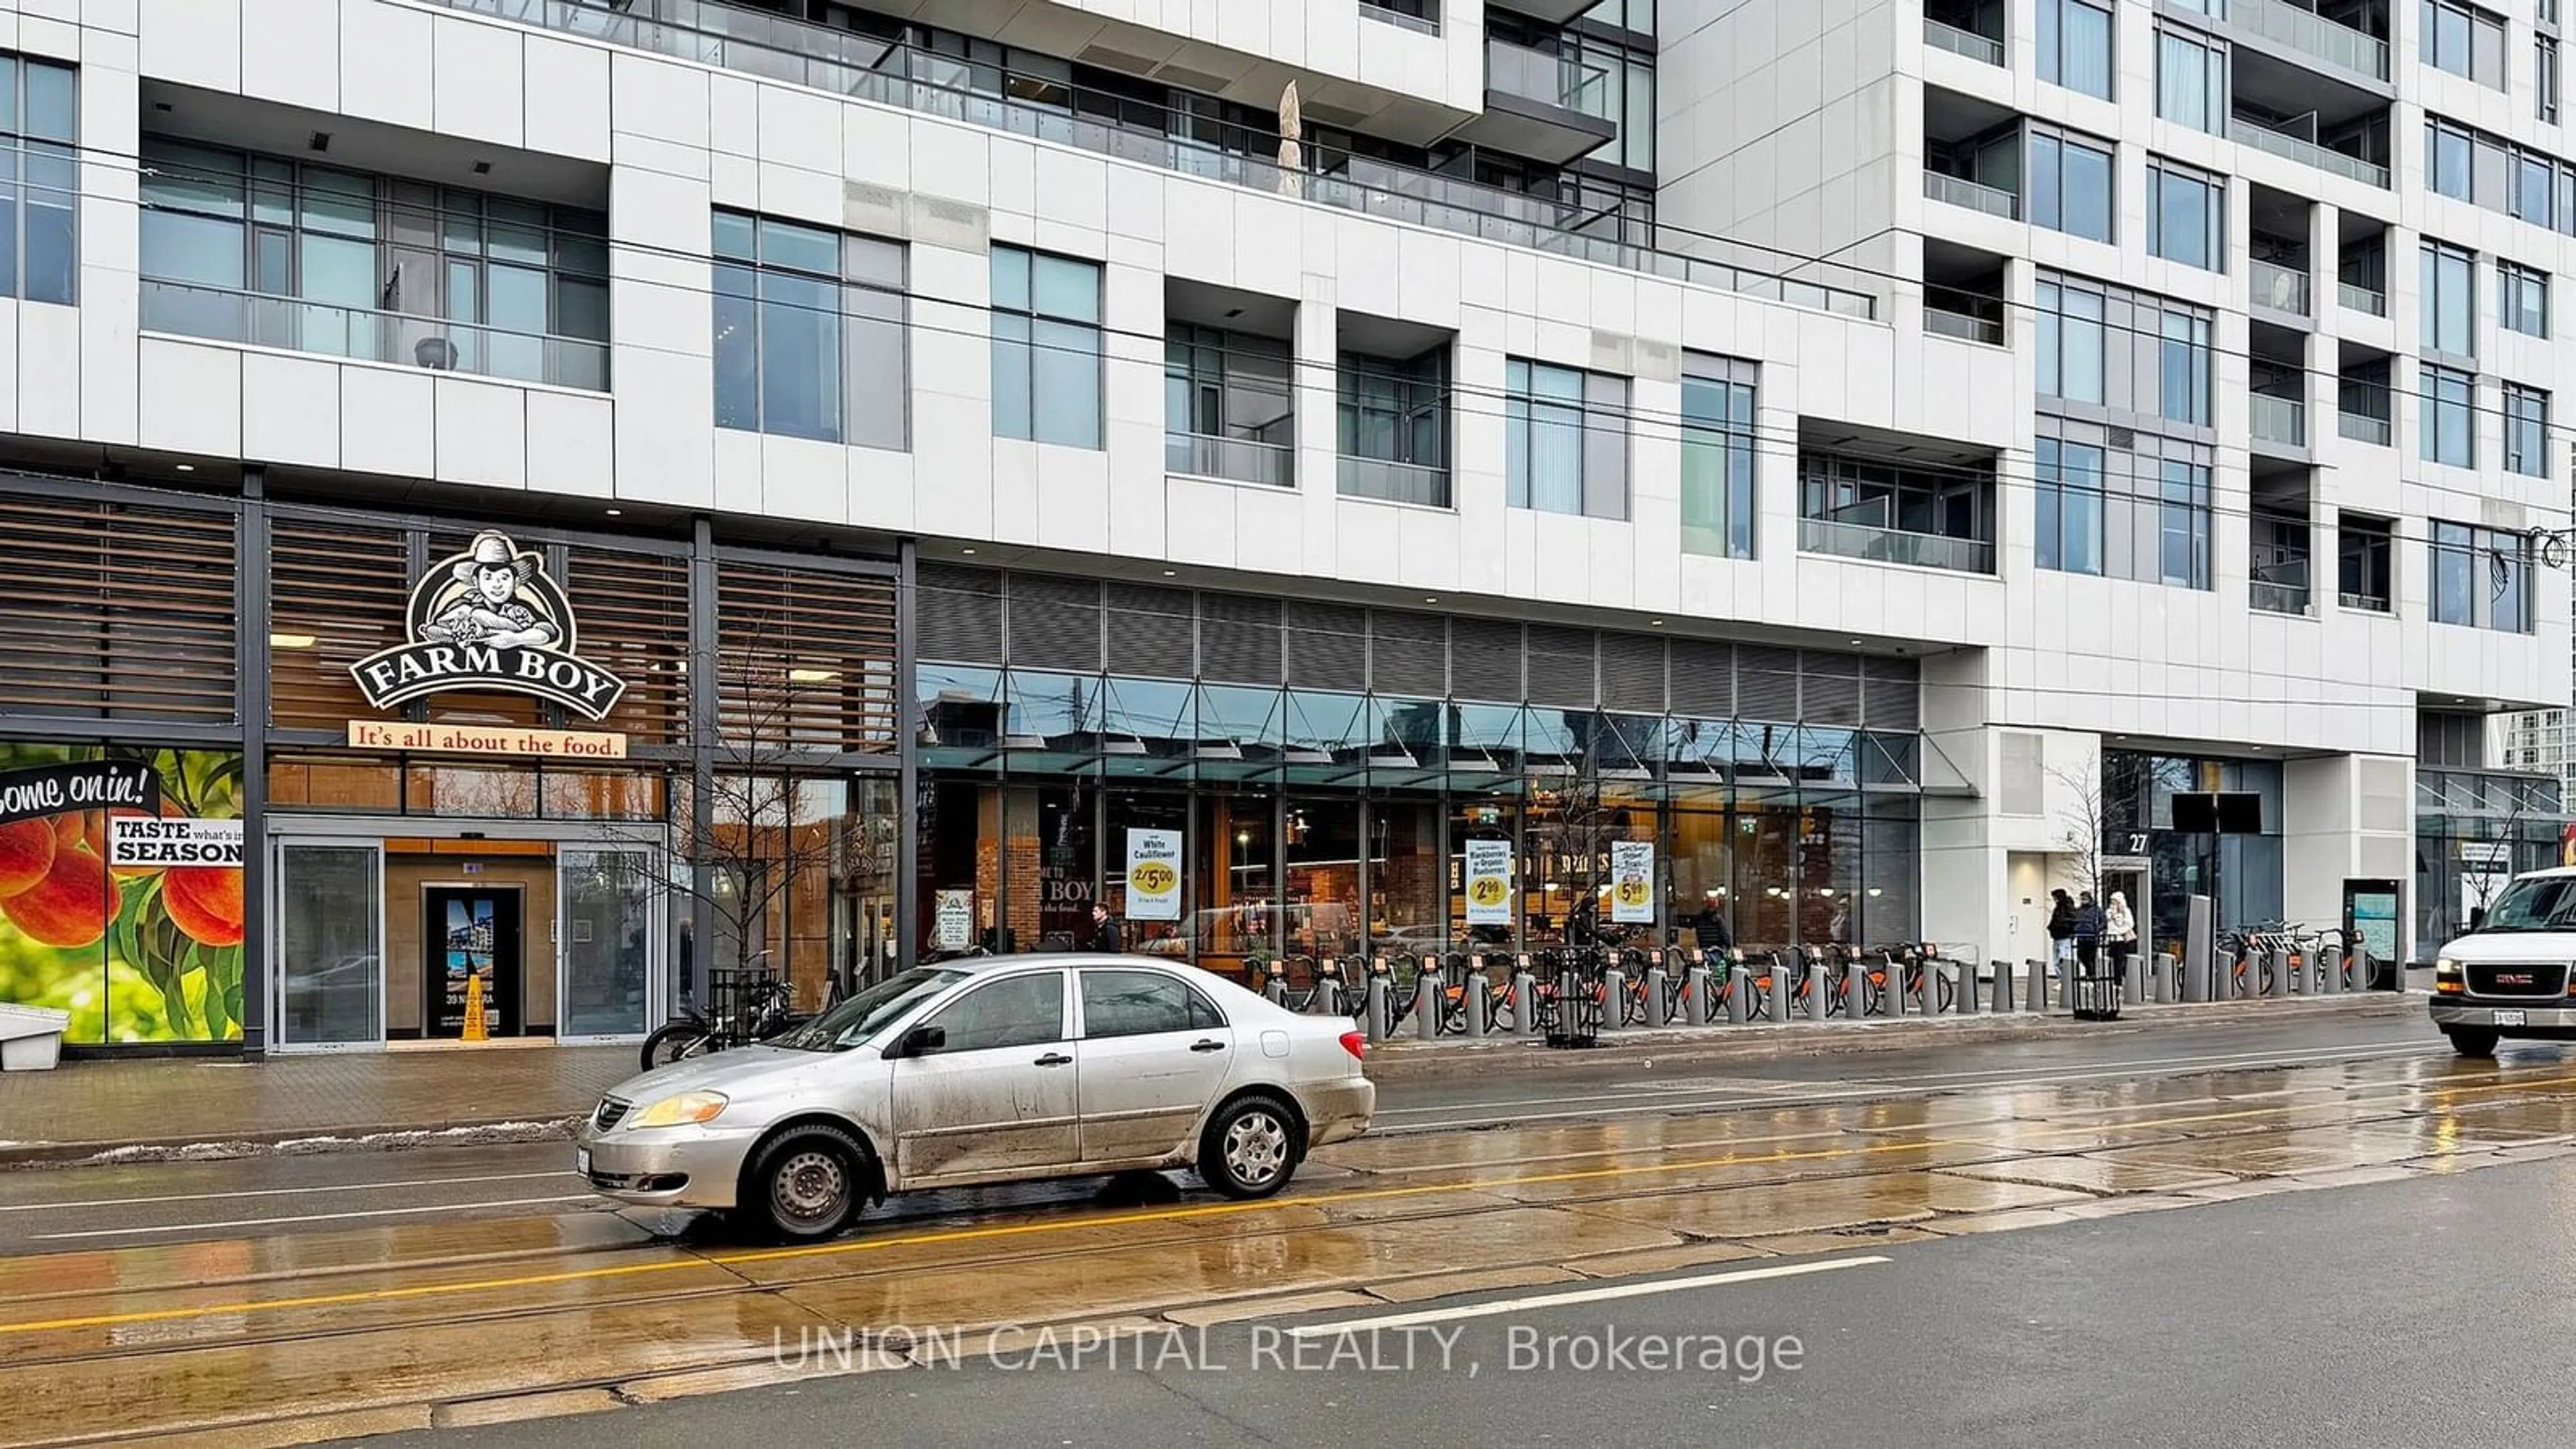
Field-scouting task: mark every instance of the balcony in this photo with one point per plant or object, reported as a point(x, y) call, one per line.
point(1895, 546)
point(1976, 196)
point(2279, 288)
point(1554, 12)
point(367, 335)
point(2280, 143)
point(2357, 298)
point(1426, 22)
point(2362, 428)
point(2312, 35)
point(1543, 104)
point(1391, 482)
point(2280, 581)
point(1241, 460)
point(867, 70)
point(2282, 420)
point(1965, 326)
point(1962, 42)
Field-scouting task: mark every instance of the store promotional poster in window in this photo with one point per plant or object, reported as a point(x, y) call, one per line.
point(121, 890)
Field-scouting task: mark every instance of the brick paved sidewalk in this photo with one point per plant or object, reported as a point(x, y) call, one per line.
point(84, 1107)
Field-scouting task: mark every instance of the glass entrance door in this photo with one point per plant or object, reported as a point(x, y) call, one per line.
point(331, 927)
point(610, 943)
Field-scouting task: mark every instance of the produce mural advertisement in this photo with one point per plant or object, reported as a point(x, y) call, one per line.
point(121, 890)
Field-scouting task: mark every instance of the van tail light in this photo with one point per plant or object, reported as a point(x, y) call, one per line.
point(1356, 1043)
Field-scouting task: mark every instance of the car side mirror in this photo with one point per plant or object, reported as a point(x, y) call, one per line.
point(921, 1041)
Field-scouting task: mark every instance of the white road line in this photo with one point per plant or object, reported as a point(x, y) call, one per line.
point(107, 1202)
point(444, 1207)
point(2041, 1076)
point(1584, 1295)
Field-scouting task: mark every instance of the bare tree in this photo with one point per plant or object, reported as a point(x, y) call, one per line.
point(1580, 823)
point(2081, 821)
point(770, 828)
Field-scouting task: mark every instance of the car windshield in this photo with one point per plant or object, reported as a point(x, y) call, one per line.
point(2537, 903)
point(855, 1021)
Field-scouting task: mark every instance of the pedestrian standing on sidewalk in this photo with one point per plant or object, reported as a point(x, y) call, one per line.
point(1105, 936)
point(2120, 929)
point(2088, 933)
point(2061, 933)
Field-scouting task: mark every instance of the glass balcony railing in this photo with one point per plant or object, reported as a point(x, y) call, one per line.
point(1243, 460)
point(2281, 420)
point(2362, 427)
point(2279, 576)
point(2280, 288)
point(1420, 24)
point(2357, 298)
point(1976, 196)
point(1544, 75)
point(1890, 545)
point(1392, 482)
point(1962, 42)
point(294, 325)
point(2310, 33)
point(1966, 326)
point(892, 75)
point(2280, 143)
point(2279, 598)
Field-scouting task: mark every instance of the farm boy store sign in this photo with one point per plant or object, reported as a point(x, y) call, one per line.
point(489, 620)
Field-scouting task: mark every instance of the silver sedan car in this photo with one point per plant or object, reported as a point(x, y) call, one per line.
point(981, 1071)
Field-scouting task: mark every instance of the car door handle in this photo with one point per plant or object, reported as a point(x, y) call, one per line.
point(1055, 1059)
point(1207, 1046)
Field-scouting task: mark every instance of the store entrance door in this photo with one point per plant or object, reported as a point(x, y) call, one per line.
point(470, 931)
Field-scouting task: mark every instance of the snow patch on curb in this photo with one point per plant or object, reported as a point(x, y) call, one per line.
point(389, 1141)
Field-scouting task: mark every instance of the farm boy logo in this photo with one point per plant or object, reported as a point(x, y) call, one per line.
point(489, 618)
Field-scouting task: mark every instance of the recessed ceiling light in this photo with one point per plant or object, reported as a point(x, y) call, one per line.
point(1855, 643)
point(1168, 573)
point(187, 467)
point(966, 550)
point(1431, 598)
point(617, 513)
point(291, 641)
point(1658, 623)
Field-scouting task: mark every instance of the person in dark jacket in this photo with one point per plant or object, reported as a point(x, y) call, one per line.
point(1710, 924)
point(2061, 932)
point(2088, 933)
point(1105, 937)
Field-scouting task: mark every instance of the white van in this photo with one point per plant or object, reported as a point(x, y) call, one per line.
point(2509, 977)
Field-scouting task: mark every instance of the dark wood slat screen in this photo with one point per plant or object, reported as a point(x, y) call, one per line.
point(341, 586)
point(116, 612)
point(634, 613)
point(805, 660)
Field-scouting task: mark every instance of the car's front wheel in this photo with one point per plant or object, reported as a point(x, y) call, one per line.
point(1250, 1148)
point(808, 1183)
point(2472, 1041)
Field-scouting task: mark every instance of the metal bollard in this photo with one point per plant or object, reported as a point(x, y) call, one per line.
point(1614, 998)
point(2196, 975)
point(2003, 997)
point(1426, 1005)
point(2034, 996)
point(1478, 1003)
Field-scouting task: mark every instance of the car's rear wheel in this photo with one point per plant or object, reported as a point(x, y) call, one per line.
point(1250, 1147)
point(807, 1183)
point(2472, 1041)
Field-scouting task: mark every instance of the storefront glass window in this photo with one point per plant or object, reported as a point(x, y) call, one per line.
point(1891, 865)
point(1702, 887)
point(1147, 807)
point(1485, 817)
point(1320, 840)
point(1406, 911)
point(1766, 867)
point(1238, 910)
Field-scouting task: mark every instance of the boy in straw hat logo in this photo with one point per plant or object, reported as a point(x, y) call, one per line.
point(490, 609)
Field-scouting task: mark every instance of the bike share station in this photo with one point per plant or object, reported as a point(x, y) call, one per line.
point(1583, 996)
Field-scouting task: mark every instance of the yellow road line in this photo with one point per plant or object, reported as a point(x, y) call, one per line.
point(1062, 1225)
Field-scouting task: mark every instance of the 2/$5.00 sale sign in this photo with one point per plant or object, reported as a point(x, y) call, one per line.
point(1153, 875)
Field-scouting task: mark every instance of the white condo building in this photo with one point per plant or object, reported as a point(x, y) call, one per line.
point(1885, 451)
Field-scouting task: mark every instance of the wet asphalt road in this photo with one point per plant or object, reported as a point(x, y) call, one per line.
point(105, 1207)
point(2429, 1311)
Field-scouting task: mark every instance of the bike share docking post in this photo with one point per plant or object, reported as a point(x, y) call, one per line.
point(1614, 998)
point(1896, 993)
point(2330, 970)
point(1963, 975)
point(1426, 1001)
point(1477, 1002)
point(1274, 981)
point(1656, 979)
point(2277, 984)
point(1695, 989)
point(2003, 997)
point(1811, 972)
point(2034, 996)
point(1380, 1001)
point(1525, 998)
point(1739, 984)
point(1327, 1000)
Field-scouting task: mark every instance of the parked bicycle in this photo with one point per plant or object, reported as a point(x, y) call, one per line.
point(754, 1005)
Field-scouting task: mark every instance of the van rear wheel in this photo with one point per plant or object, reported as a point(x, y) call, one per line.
point(2473, 1041)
